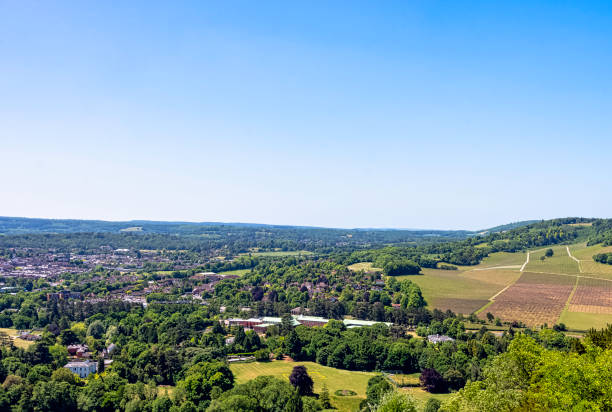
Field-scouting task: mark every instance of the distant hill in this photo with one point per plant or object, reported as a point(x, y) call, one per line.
point(54, 233)
point(23, 225)
point(508, 226)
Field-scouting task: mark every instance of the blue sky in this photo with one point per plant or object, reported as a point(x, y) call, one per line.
point(346, 114)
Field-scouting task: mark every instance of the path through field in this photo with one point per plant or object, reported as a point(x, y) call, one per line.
point(492, 298)
point(561, 288)
point(577, 260)
point(526, 261)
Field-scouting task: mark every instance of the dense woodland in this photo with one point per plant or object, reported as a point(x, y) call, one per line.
point(179, 342)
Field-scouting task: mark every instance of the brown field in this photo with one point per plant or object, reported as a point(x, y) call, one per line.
point(535, 299)
point(592, 296)
point(458, 305)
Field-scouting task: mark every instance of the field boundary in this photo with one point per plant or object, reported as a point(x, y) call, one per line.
point(569, 298)
point(526, 261)
point(569, 274)
point(492, 298)
point(577, 260)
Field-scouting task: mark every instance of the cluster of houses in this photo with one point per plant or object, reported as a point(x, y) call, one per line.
point(211, 280)
point(81, 363)
point(40, 263)
point(43, 265)
point(31, 337)
point(63, 294)
point(260, 325)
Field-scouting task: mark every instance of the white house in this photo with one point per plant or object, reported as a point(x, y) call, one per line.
point(83, 369)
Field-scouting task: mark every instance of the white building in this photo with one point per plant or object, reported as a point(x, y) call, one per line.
point(83, 369)
point(439, 338)
point(357, 323)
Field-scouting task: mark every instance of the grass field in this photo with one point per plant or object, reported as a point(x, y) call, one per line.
point(499, 259)
point(335, 379)
point(410, 384)
point(238, 272)
point(585, 321)
point(165, 390)
point(560, 262)
point(365, 266)
point(421, 395)
point(281, 253)
point(587, 264)
point(20, 343)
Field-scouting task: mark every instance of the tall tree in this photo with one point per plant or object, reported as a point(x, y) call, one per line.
point(301, 380)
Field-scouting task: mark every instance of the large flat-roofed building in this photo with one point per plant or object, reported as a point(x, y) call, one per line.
point(260, 324)
point(356, 323)
point(245, 323)
point(311, 320)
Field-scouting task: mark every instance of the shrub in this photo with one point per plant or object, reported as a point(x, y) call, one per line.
point(345, 392)
point(432, 405)
point(262, 355)
point(432, 381)
point(394, 401)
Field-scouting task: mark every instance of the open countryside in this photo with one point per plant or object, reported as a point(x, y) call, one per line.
point(539, 294)
point(281, 206)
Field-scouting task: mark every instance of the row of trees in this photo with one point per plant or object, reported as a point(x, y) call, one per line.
point(603, 258)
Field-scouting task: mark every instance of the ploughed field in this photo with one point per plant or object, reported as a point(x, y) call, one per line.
point(566, 288)
point(592, 296)
point(535, 299)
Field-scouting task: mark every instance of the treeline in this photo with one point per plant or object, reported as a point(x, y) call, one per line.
point(234, 238)
point(471, 251)
point(603, 258)
point(602, 232)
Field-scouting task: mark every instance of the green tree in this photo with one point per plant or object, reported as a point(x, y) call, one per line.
point(68, 337)
point(293, 345)
point(54, 396)
point(324, 398)
point(395, 401)
point(161, 404)
point(96, 329)
point(202, 377)
point(65, 375)
point(264, 393)
point(432, 405)
point(286, 324)
point(301, 380)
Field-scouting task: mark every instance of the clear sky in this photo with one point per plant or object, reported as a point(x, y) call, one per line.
point(408, 114)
